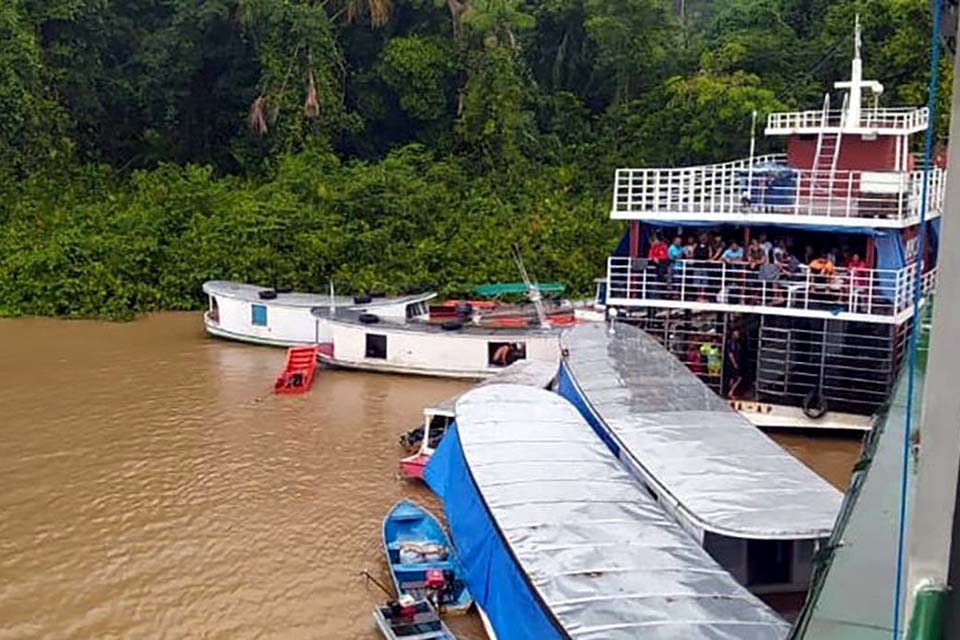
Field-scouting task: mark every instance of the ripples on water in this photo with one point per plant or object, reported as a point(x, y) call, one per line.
point(154, 487)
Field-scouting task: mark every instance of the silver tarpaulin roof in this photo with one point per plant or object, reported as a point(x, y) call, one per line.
point(601, 554)
point(725, 475)
point(532, 373)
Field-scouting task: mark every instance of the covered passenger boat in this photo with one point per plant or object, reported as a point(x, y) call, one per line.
point(755, 508)
point(262, 315)
point(538, 374)
point(559, 541)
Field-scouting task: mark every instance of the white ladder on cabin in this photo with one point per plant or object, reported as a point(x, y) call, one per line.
point(824, 171)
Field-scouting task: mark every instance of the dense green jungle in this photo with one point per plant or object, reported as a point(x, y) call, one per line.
point(149, 145)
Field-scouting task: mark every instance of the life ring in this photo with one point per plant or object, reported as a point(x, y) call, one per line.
point(369, 318)
point(267, 294)
point(814, 405)
point(451, 325)
point(362, 299)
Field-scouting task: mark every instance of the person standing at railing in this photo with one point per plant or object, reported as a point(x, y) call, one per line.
point(702, 269)
point(859, 280)
point(676, 255)
point(732, 260)
point(658, 257)
point(823, 272)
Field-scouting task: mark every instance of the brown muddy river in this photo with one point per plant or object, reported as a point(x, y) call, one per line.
point(151, 486)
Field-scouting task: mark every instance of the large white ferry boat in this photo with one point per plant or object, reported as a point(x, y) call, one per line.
point(786, 281)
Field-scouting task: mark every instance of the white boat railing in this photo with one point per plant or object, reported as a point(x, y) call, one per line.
point(736, 190)
point(877, 293)
point(900, 120)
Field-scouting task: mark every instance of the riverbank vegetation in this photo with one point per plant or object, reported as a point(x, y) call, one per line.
point(149, 145)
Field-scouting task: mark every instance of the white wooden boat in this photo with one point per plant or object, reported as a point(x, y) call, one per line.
point(260, 315)
point(373, 342)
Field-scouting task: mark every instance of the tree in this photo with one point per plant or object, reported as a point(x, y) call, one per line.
point(636, 43)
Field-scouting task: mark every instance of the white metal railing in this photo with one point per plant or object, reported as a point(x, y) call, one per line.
point(892, 119)
point(737, 188)
point(882, 293)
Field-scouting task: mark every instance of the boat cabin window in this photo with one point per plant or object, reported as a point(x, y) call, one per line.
point(376, 346)
point(214, 309)
point(501, 354)
point(258, 315)
point(730, 553)
point(769, 562)
point(416, 309)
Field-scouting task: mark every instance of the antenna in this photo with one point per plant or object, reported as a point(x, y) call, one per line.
point(333, 301)
point(533, 291)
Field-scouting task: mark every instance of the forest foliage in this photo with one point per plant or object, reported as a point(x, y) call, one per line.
point(149, 145)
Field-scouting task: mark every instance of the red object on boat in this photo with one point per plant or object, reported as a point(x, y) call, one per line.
point(298, 371)
point(435, 579)
point(413, 466)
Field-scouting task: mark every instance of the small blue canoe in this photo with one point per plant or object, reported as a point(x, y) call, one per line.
point(422, 561)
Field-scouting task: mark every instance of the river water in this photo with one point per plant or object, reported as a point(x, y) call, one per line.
point(152, 485)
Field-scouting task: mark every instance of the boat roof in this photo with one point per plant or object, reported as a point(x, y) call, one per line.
point(600, 554)
point(251, 293)
point(507, 334)
point(532, 373)
point(725, 475)
point(516, 288)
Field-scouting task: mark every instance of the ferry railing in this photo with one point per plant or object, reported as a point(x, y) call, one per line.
point(880, 293)
point(855, 369)
point(879, 119)
point(735, 190)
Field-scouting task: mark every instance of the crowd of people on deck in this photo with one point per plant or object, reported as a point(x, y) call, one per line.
point(763, 268)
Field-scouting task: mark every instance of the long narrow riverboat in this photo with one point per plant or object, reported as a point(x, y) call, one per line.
point(370, 342)
point(755, 508)
point(789, 286)
point(259, 315)
point(558, 541)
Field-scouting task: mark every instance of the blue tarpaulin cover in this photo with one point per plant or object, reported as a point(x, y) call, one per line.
point(493, 577)
point(559, 541)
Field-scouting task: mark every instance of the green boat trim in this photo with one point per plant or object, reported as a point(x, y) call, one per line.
point(496, 289)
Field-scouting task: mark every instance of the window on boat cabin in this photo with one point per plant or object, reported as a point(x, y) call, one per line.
point(258, 315)
point(501, 354)
point(376, 346)
point(214, 313)
point(730, 553)
point(769, 562)
point(416, 309)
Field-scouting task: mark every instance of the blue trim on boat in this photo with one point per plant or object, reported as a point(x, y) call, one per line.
point(498, 583)
point(567, 388)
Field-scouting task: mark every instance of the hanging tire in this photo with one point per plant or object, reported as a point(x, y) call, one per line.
point(362, 299)
point(815, 405)
point(451, 325)
point(267, 294)
point(369, 318)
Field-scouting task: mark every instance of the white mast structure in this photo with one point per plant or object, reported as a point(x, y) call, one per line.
point(856, 84)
